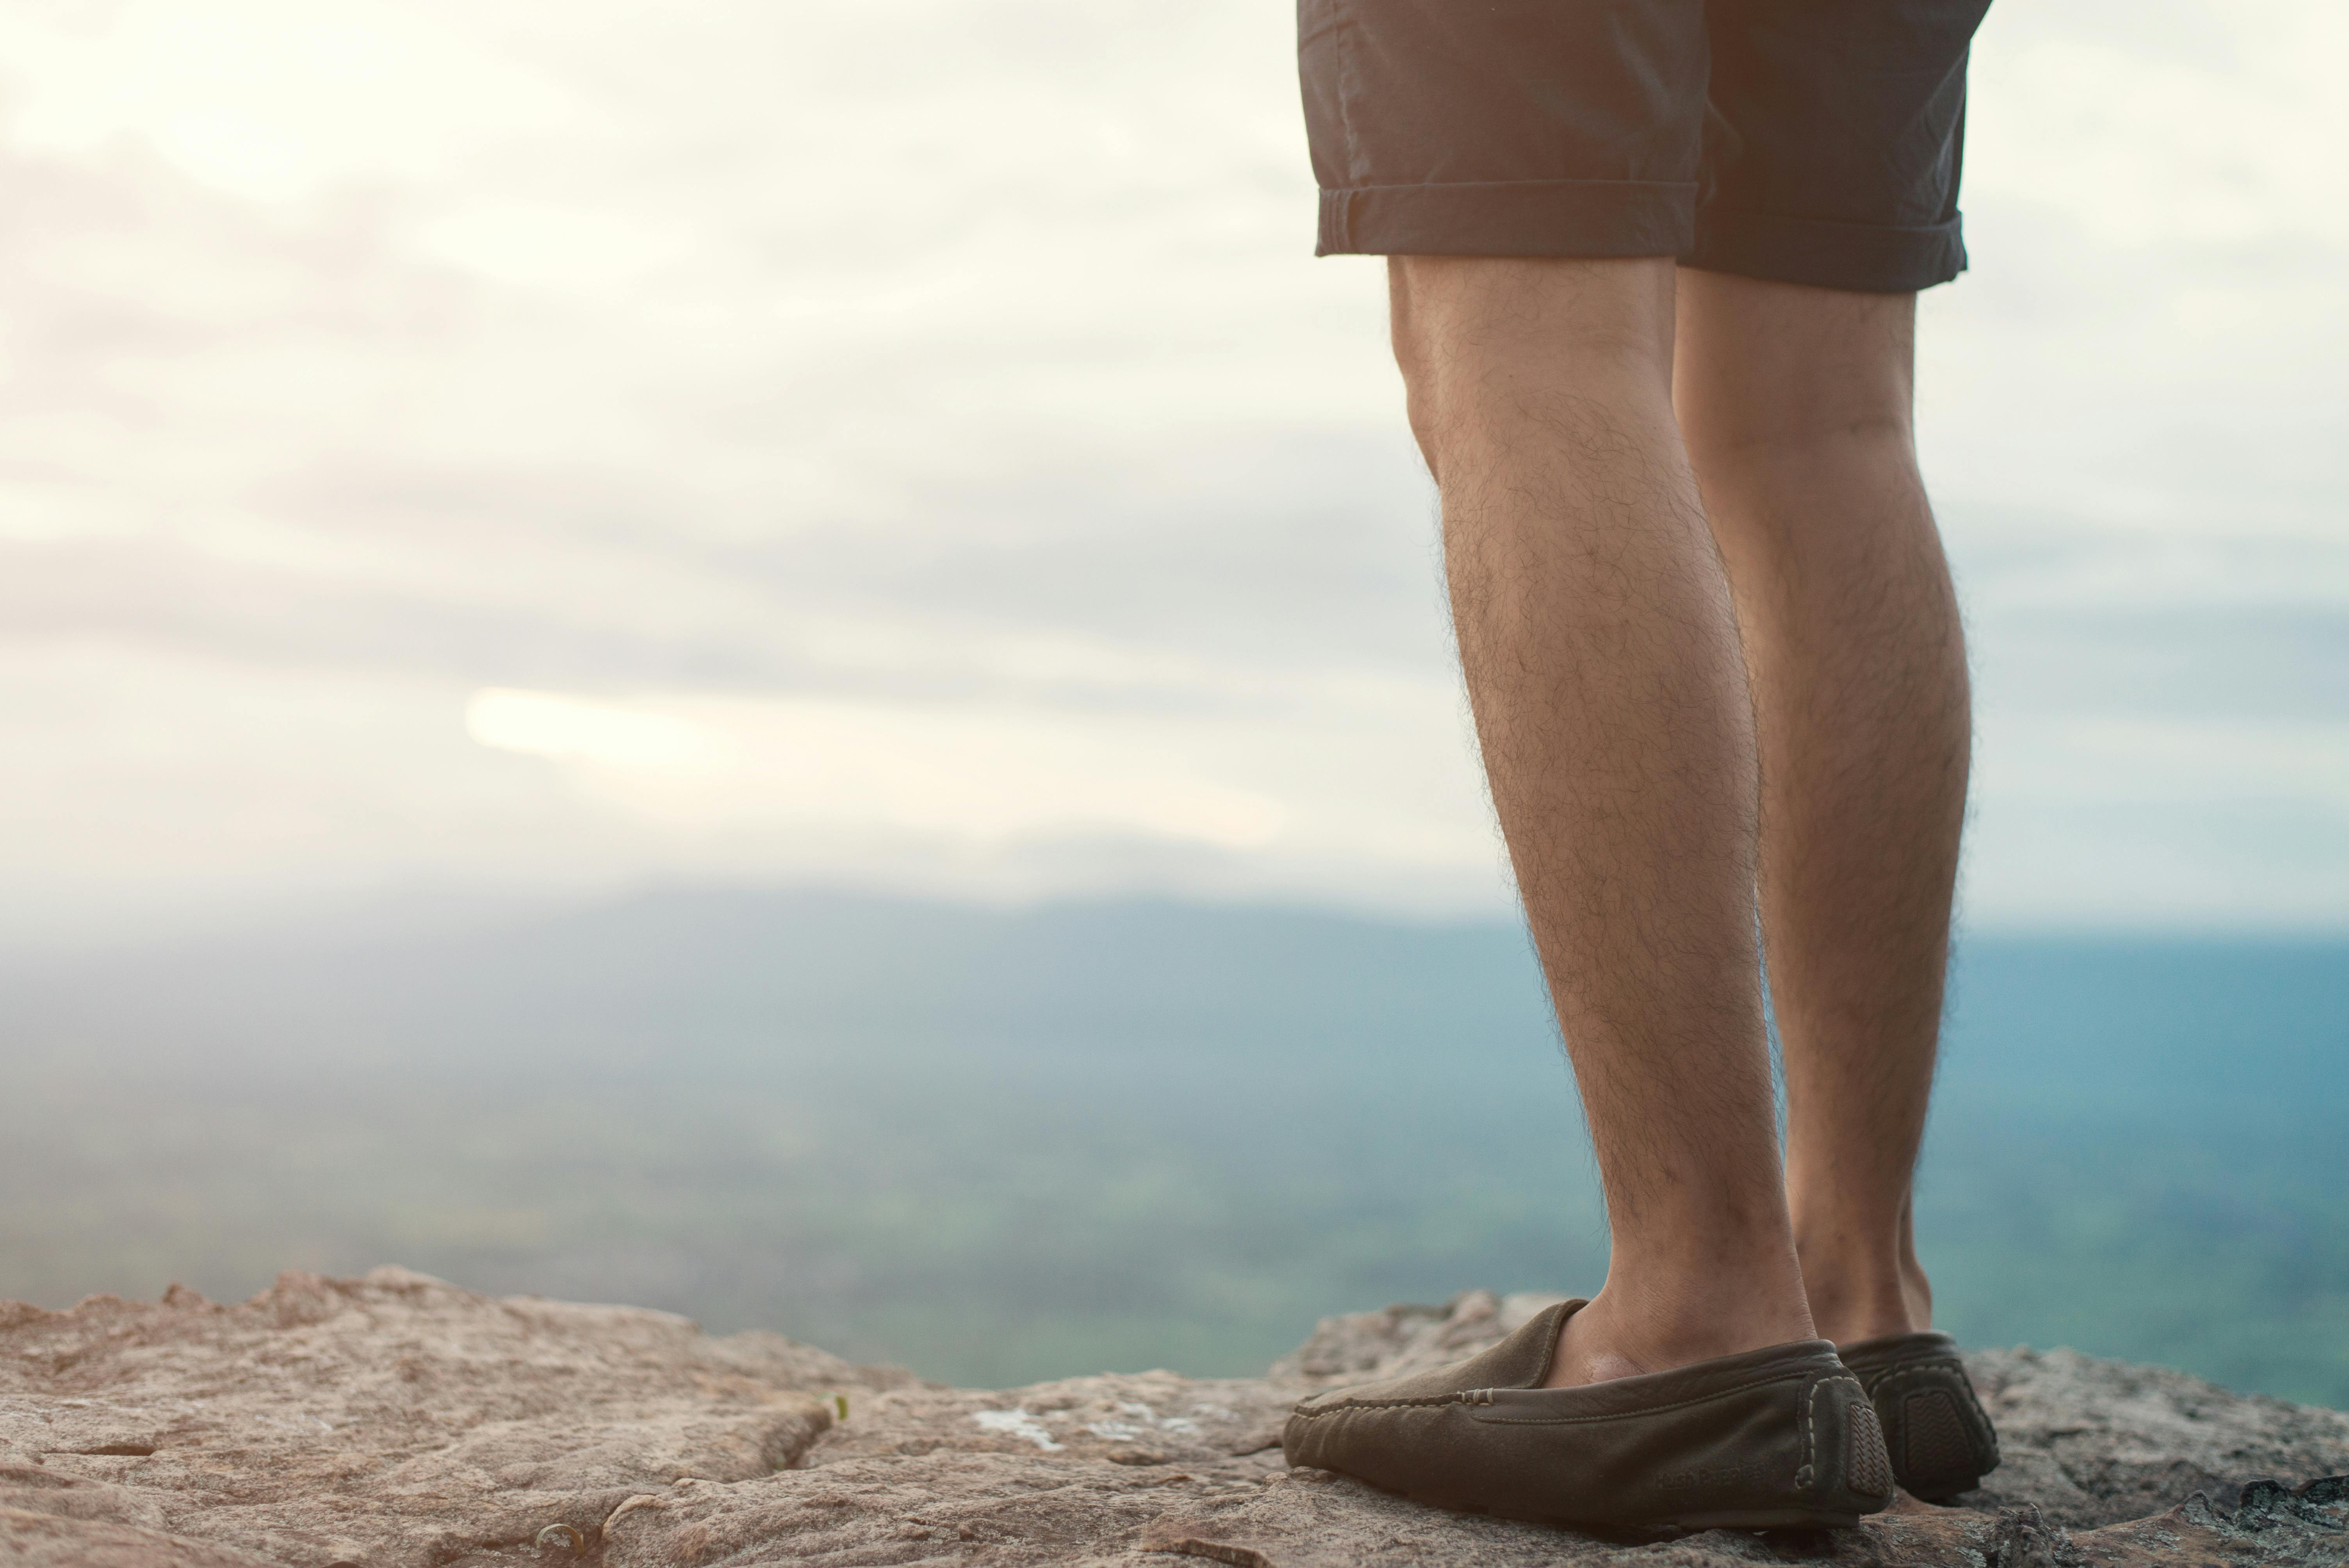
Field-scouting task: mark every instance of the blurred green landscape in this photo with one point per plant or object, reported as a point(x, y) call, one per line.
point(1002, 1146)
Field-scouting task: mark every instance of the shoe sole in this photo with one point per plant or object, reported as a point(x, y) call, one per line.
point(1765, 1519)
point(1729, 1519)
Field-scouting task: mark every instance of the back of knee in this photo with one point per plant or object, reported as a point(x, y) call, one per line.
point(1488, 341)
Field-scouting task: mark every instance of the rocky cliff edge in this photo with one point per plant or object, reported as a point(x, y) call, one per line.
point(397, 1422)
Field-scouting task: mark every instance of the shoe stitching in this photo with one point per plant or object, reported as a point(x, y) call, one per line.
point(1907, 1366)
point(1804, 1474)
point(1936, 1345)
point(1481, 1396)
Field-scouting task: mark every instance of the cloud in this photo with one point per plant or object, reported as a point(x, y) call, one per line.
point(928, 418)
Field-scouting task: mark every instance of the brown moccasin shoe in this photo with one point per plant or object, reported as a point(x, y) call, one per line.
point(1770, 1438)
point(1936, 1430)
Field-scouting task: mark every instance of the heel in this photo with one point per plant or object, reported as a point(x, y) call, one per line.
point(1849, 1468)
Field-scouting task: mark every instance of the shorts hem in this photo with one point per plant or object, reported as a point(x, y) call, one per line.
point(1866, 258)
point(1510, 218)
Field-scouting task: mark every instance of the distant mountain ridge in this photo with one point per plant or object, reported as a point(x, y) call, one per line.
point(1006, 1144)
point(2078, 1013)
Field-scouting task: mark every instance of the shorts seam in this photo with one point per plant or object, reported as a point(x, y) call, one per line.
point(1510, 218)
point(1663, 185)
point(1710, 215)
point(1828, 252)
point(1341, 30)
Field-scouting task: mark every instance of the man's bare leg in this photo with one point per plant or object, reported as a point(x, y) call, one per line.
point(1602, 660)
point(1796, 406)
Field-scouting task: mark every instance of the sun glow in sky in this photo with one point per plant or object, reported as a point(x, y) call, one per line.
point(970, 776)
point(911, 445)
point(540, 723)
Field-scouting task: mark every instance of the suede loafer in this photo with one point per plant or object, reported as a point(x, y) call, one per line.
point(1935, 1428)
point(1779, 1438)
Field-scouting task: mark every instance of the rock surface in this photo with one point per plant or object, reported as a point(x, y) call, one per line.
point(395, 1420)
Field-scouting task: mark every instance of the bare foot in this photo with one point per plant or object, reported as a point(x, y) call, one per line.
point(1605, 1340)
point(1584, 1353)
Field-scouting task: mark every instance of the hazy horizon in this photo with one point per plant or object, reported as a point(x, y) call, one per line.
point(436, 908)
point(1015, 1144)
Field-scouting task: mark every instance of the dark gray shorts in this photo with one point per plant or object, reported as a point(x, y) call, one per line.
point(1810, 141)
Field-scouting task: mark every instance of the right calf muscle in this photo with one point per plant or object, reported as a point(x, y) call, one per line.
point(1858, 670)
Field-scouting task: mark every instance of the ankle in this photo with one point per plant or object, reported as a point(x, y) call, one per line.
point(1640, 1324)
point(1859, 1263)
point(1857, 1298)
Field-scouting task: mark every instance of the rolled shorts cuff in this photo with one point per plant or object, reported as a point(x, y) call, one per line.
point(1510, 218)
point(1863, 257)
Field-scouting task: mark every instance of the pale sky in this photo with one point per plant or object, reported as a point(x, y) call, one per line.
point(910, 445)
